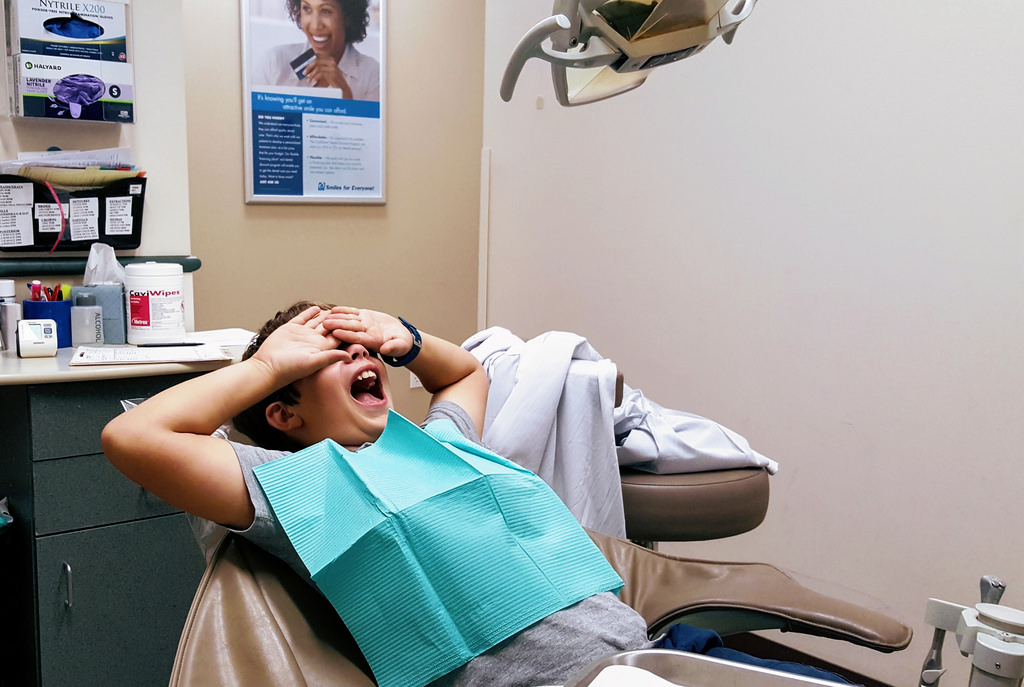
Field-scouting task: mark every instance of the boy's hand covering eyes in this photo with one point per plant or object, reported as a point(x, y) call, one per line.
point(299, 348)
point(376, 331)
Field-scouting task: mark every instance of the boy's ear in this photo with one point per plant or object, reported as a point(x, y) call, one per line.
point(279, 416)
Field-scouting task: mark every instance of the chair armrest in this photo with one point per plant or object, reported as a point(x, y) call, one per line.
point(693, 506)
point(667, 589)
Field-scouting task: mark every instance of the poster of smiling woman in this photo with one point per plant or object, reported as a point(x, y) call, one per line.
point(313, 88)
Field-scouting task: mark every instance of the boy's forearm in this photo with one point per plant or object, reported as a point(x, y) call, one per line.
point(202, 404)
point(164, 444)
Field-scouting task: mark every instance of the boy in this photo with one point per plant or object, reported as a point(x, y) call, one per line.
point(313, 373)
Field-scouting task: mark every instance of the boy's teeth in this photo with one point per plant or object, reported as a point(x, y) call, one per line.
point(368, 374)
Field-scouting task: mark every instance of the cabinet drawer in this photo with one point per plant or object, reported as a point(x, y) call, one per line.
point(66, 419)
point(86, 491)
point(113, 601)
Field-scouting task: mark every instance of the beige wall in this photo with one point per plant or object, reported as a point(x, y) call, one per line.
point(813, 236)
point(414, 256)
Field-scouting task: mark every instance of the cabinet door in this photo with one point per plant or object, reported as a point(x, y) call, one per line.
point(119, 619)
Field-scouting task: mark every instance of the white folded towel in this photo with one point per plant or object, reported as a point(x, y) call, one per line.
point(667, 441)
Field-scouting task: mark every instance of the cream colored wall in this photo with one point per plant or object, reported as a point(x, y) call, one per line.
point(816, 237)
point(414, 256)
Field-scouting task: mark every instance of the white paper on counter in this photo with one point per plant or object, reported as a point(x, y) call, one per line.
point(127, 355)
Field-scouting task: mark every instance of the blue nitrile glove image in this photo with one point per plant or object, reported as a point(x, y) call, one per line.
point(73, 27)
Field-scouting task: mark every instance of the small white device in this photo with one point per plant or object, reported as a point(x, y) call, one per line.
point(991, 634)
point(37, 338)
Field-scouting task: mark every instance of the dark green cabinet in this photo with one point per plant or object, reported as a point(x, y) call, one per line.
point(97, 574)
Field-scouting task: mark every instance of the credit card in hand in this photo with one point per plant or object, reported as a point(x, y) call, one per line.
point(299, 63)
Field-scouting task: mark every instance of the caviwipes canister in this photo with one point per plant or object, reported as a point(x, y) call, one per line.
point(155, 302)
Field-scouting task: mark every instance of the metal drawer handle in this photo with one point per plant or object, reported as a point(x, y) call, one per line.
point(69, 599)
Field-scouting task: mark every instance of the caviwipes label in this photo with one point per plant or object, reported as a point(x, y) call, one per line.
point(156, 309)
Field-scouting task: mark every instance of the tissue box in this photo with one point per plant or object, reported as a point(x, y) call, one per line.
point(110, 297)
point(67, 28)
point(67, 88)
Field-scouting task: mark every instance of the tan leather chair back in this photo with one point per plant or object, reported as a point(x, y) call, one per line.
point(255, 623)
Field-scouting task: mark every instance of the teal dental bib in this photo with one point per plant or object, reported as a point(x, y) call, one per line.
point(431, 548)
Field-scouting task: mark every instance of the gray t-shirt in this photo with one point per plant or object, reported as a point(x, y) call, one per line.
point(546, 653)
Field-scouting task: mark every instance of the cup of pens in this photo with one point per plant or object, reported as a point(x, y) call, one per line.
point(57, 310)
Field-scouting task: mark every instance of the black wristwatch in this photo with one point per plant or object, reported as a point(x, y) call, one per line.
point(417, 344)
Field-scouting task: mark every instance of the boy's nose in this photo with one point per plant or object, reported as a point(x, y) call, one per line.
point(358, 351)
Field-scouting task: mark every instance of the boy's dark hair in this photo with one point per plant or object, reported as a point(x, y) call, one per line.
point(253, 420)
point(357, 17)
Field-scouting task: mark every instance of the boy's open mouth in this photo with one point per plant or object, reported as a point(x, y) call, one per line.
point(367, 389)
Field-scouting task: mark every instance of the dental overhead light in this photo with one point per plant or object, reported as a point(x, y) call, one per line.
point(602, 48)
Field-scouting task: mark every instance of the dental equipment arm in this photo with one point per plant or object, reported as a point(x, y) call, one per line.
point(603, 48)
point(596, 54)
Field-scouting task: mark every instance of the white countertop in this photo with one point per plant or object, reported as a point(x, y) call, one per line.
point(15, 370)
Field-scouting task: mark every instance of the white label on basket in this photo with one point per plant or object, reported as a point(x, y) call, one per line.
point(49, 217)
point(85, 219)
point(15, 215)
point(119, 216)
point(15, 227)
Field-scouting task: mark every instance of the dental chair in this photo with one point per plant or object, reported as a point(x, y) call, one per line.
point(254, 622)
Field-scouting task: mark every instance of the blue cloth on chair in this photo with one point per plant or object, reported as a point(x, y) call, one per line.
point(429, 535)
point(698, 640)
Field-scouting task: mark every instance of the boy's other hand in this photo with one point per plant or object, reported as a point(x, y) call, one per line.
point(377, 331)
point(299, 348)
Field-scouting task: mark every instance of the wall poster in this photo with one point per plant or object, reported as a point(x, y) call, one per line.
point(313, 88)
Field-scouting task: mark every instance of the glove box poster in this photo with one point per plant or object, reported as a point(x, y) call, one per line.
point(313, 91)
